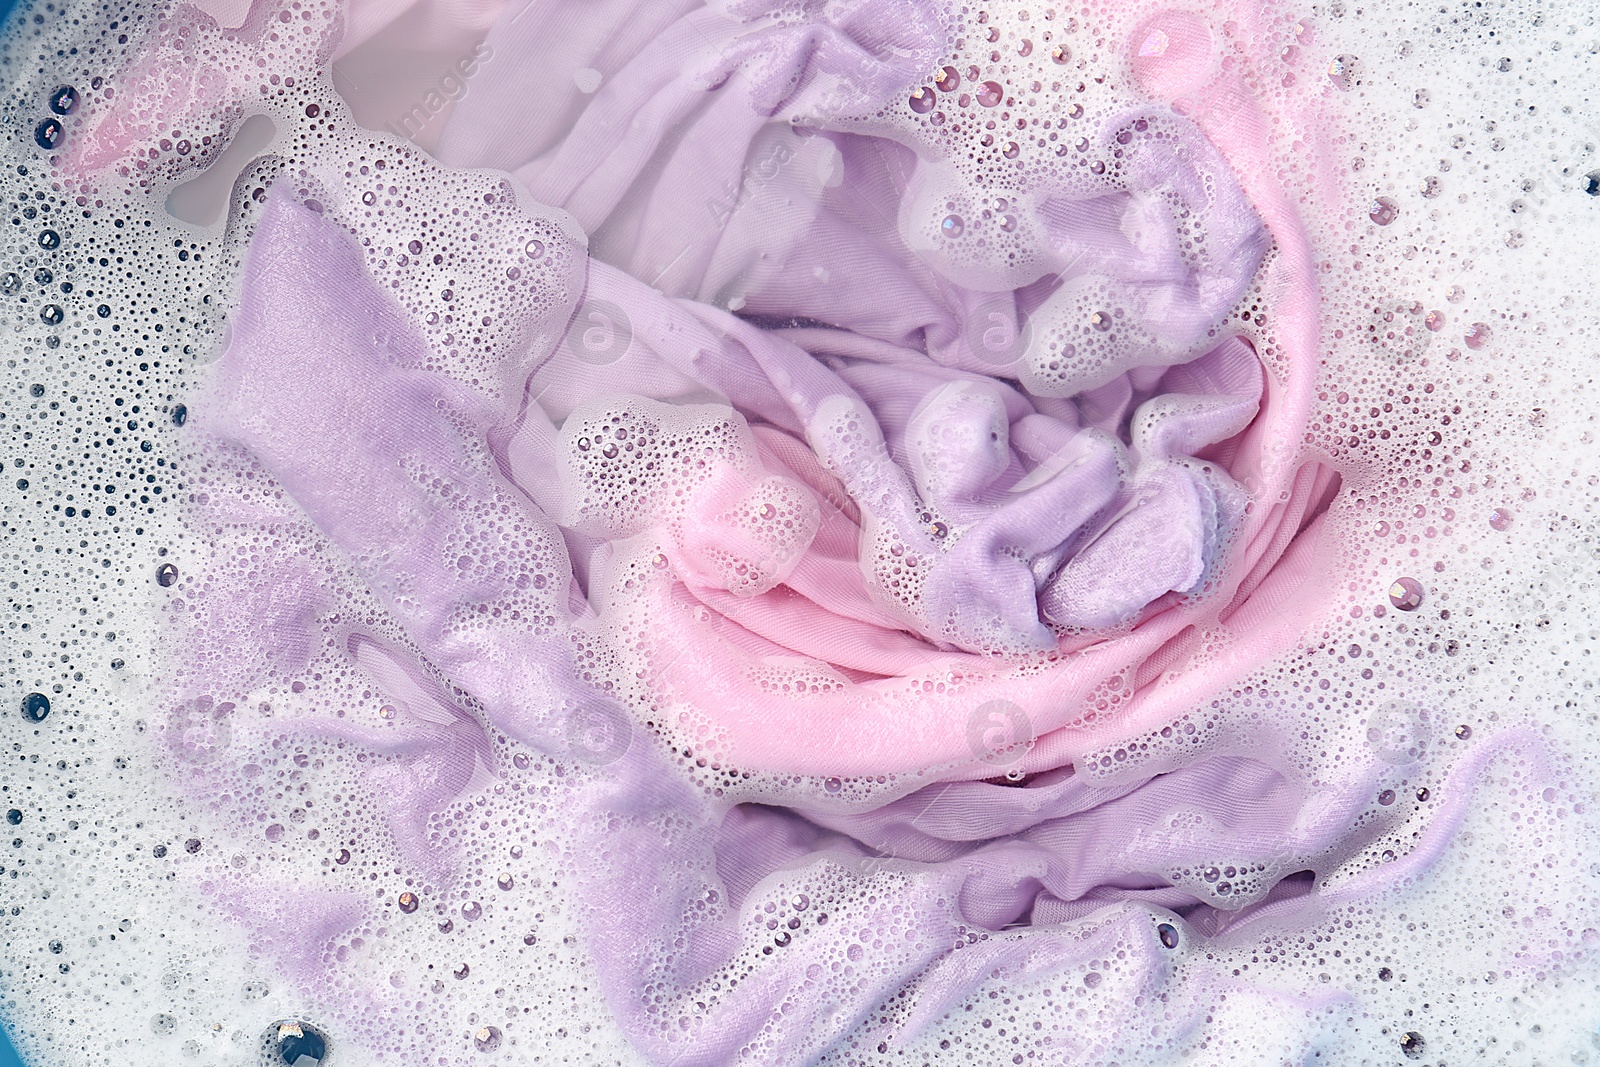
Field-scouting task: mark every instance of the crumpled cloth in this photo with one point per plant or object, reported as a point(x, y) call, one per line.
point(782, 479)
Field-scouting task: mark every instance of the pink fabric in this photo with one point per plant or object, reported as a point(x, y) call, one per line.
point(907, 703)
point(916, 714)
point(808, 396)
point(908, 683)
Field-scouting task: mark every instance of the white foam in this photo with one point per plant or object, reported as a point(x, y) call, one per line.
point(1487, 172)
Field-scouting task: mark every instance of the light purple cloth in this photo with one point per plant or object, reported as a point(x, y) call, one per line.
point(969, 878)
point(852, 451)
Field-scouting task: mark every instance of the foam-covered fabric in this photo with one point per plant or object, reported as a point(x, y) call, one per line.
point(807, 488)
point(967, 878)
point(991, 486)
point(964, 879)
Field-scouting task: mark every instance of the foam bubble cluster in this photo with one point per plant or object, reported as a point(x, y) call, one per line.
point(862, 533)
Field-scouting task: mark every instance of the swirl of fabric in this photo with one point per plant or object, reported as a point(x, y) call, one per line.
point(821, 454)
point(1033, 437)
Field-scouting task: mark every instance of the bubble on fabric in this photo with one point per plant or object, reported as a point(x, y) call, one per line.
point(147, 879)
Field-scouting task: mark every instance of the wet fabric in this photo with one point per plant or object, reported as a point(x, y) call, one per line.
point(831, 500)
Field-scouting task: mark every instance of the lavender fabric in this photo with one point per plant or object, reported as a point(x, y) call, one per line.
point(391, 464)
point(777, 478)
point(1030, 512)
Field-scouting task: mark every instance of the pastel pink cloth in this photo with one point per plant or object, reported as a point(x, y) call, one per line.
point(901, 690)
point(1084, 605)
point(772, 483)
point(1120, 515)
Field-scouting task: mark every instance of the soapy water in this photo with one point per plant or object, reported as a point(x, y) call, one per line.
point(850, 534)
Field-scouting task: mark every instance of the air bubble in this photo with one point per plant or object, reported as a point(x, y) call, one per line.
point(295, 1043)
point(1342, 72)
point(1383, 210)
point(1406, 594)
point(47, 134)
point(64, 101)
